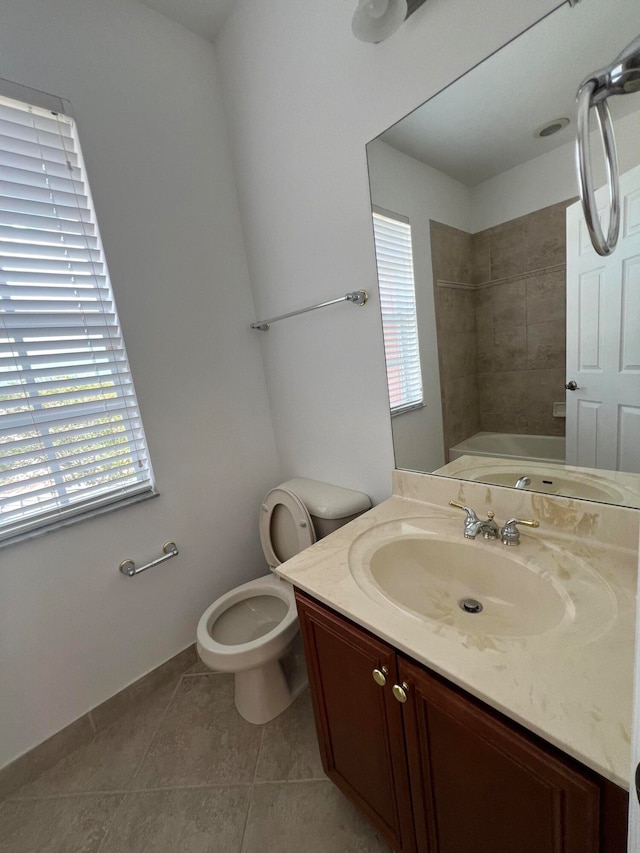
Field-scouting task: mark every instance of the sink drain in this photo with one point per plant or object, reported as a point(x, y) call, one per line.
point(470, 605)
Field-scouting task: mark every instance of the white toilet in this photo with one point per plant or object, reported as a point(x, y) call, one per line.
point(253, 629)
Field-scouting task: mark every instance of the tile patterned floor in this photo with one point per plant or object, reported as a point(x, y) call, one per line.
point(184, 773)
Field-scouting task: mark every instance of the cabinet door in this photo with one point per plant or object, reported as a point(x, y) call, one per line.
point(480, 786)
point(359, 724)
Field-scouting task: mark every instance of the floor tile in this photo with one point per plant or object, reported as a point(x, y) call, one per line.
point(39, 759)
point(289, 745)
point(188, 820)
point(314, 817)
point(62, 825)
point(110, 761)
point(111, 710)
point(202, 739)
point(198, 668)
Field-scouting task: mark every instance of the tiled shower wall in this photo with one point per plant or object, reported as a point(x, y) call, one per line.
point(500, 316)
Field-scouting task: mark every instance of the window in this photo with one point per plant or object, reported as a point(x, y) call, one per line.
point(71, 437)
point(394, 257)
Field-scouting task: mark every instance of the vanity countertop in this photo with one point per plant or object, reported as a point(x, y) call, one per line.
point(572, 688)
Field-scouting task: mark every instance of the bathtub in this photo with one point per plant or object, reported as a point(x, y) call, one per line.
point(527, 448)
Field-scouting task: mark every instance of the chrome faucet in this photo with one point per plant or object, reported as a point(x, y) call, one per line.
point(473, 525)
point(523, 482)
point(509, 534)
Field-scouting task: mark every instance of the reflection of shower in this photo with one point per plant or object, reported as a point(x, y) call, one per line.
point(621, 77)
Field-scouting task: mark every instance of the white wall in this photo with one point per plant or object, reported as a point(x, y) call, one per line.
point(402, 184)
point(303, 97)
point(146, 96)
point(548, 179)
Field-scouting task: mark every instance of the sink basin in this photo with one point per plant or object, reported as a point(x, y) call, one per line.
point(425, 567)
point(432, 576)
point(550, 479)
point(550, 484)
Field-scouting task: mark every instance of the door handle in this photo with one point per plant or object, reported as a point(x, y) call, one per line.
point(638, 782)
point(571, 385)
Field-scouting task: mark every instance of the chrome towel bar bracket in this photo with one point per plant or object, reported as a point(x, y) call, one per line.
point(357, 297)
point(128, 567)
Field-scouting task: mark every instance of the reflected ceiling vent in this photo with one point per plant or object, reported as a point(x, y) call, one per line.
point(376, 20)
point(551, 127)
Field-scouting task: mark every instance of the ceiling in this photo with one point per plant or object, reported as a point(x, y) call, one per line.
point(204, 17)
point(484, 124)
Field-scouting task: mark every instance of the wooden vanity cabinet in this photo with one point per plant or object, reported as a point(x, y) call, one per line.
point(442, 772)
point(359, 724)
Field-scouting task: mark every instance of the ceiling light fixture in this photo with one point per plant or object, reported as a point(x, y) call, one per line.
point(551, 127)
point(376, 20)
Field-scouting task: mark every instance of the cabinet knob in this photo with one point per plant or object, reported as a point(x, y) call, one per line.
point(380, 676)
point(400, 691)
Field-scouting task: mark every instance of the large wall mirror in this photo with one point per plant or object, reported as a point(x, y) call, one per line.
point(476, 217)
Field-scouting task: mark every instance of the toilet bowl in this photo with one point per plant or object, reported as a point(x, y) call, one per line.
point(247, 631)
point(252, 630)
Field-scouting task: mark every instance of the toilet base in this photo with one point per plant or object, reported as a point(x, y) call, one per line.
point(263, 693)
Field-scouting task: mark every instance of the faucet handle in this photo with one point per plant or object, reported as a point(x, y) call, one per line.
point(472, 523)
point(471, 515)
point(510, 533)
point(490, 529)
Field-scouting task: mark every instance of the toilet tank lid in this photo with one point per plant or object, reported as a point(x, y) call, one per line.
point(326, 501)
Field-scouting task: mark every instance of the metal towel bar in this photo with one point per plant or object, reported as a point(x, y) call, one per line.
point(358, 297)
point(621, 77)
point(128, 567)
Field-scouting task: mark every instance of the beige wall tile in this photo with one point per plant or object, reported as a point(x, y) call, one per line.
point(509, 252)
point(455, 310)
point(546, 347)
point(485, 359)
point(543, 389)
point(506, 393)
point(499, 422)
point(546, 236)
point(509, 349)
point(509, 304)
point(519, 323)
point(458, 356)
point(450, 253)
point(547, 297)
point(461, 410)
point(546, 424)
point(480, 257)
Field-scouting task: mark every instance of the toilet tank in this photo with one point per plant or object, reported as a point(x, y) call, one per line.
point(330, 507)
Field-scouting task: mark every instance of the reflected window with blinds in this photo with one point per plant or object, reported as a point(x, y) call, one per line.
point(71, 436)
point(394, 257)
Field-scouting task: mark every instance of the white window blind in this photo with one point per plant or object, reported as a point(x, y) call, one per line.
point(71, 437)
point(394, 256)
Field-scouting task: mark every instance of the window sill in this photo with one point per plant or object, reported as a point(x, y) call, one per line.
point(91, 512)
point(405, 409)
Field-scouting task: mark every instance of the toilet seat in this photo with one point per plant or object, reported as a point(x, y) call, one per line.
point(299, 527)
point(225, 657)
